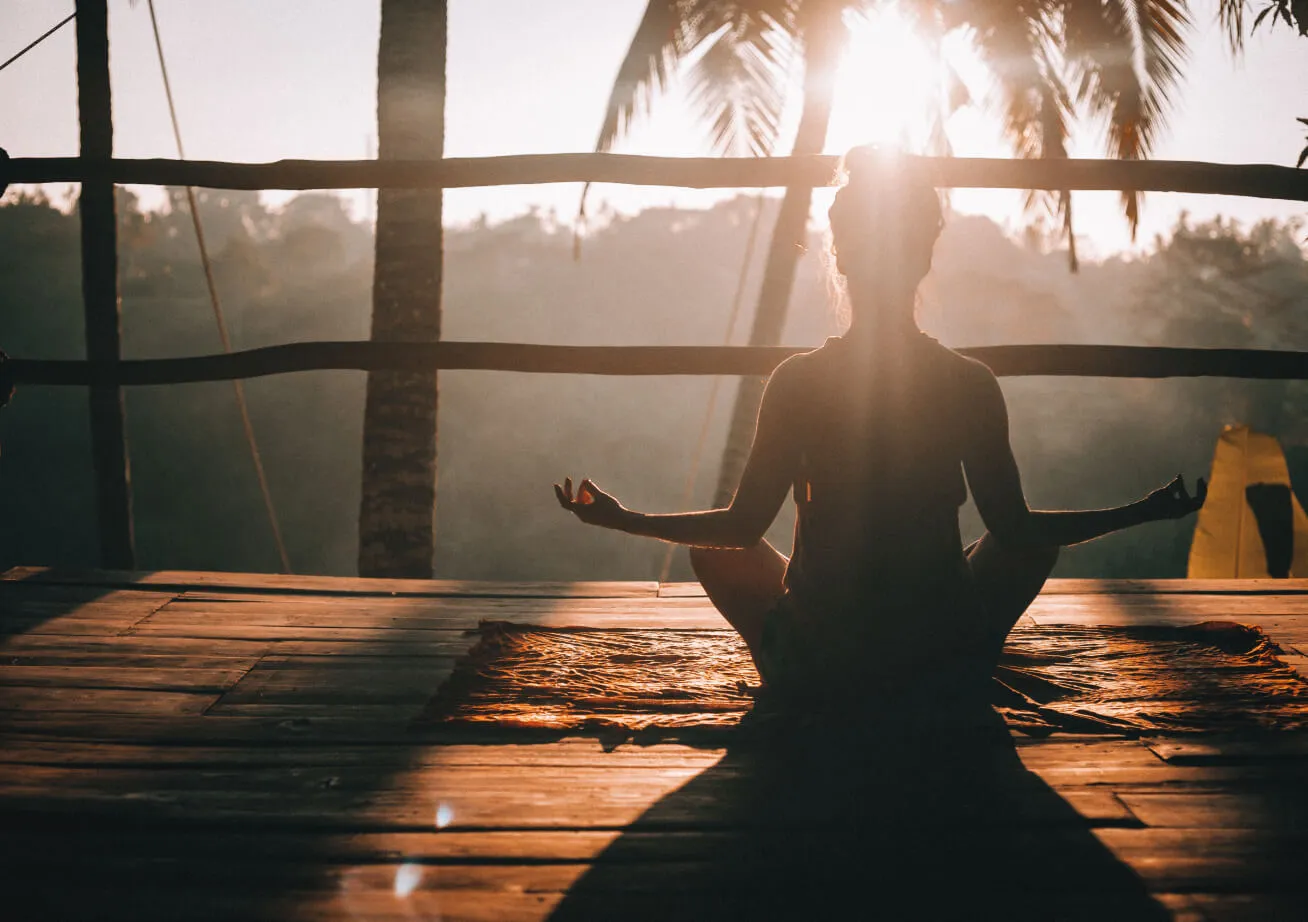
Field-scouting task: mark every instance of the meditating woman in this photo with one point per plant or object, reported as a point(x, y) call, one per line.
point(873, 433)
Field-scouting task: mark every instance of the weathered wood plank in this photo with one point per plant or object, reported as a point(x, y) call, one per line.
point(1166, 858)
point(133, 647)
point(1064, 586)
point(129, 645)
point(324, 706)
point(206, 601)
point(1161, 609)
point(1273, 808)
point(1263, 749)
point(379, 638)
point(415, 629)
point(83, 612)
point(291, 584)
point(104, 701)
point(344, 679)
point(436, 644)
point(105, 656)
point(573, 752)
point(475, 894)
point(160, 678)
point(221, 729)
point(1235, 907)
point(230, 617)
point(505, 796)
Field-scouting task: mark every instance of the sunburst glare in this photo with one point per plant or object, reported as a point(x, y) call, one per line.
point(890, 85)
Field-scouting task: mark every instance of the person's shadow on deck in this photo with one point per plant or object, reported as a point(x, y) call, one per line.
point(893, 824)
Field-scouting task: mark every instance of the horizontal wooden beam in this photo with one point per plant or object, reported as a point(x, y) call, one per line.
point(1057, 360)
point(1257, 180)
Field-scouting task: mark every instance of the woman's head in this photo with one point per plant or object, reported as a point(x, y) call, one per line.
point(884, 222)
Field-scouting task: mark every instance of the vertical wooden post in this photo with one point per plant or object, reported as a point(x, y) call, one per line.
point(113, 493)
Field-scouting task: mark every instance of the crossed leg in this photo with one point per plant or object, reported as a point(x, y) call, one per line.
point(743, 584)
point(1008, 581)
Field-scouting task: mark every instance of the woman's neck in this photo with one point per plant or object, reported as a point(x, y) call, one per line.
point(882, 311)
point(883, 321)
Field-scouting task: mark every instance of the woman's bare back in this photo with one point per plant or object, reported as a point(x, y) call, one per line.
point(878, 479)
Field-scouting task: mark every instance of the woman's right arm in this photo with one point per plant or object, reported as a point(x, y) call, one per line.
point(996, 486)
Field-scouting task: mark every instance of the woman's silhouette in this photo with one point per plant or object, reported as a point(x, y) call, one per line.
point(874, 434)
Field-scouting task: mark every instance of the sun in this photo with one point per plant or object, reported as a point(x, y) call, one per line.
point(889, 85)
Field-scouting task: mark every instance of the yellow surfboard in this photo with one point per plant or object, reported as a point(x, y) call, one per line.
point(1251, 524)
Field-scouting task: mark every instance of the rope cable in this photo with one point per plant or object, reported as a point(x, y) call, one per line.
point(692, 475)
point(49, 32)
point(219, 317)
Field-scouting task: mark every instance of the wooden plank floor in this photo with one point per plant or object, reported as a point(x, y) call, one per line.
point(227, 746)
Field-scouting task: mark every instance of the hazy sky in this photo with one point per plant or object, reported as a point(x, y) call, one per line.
point(265, 79)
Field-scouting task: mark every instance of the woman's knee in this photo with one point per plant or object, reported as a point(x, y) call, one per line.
point(715, 563)
point(751, 570)
point(1034, 556)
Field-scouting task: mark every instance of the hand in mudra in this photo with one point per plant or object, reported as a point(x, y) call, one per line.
point(1174, 500)
point(591, 504)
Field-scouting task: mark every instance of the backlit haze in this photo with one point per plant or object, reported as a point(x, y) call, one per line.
point(297, 78)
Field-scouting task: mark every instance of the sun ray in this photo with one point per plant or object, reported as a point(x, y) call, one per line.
point(889, 83)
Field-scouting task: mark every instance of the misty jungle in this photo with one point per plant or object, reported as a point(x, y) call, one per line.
point(303, 271)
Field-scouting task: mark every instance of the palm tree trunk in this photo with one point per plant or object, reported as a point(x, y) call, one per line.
point(397, 507)
point(789, 239)
point(113, 481)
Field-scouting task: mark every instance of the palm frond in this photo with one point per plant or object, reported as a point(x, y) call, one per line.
point(739, 85)
point(1020, 48)
point(1127, 57)
point(1230, 14)
point(655, 49)
point(1162, 26)
point(669, 32)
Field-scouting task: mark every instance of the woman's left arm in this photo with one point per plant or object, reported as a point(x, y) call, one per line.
point(767, 476)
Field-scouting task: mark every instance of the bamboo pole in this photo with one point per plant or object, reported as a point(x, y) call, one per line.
point(100, 290)
point(1025, 360)
point(1251, 180)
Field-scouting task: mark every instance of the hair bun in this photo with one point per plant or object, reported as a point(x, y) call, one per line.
point(872, 163)
point(869, 162)
point(883, 181)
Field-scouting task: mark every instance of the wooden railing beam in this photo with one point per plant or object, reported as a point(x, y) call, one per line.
point(1255, 180)
point(1024, 360)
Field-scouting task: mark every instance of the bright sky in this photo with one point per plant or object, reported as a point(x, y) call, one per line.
point(260, 81)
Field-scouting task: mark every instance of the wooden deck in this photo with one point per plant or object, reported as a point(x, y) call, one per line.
point(223, 746)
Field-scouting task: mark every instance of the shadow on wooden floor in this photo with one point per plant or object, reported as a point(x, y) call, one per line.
point(896, 824)
point(28, 604)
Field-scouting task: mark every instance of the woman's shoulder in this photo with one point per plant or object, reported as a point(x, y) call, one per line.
point(804, 364)
point(970, 370)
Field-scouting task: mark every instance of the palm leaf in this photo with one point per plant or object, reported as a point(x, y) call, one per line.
point(669, 32)
point(739, 85)
point(1020, 48)
point(1127, 55)
point(1230, 13)
point(655, 48)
